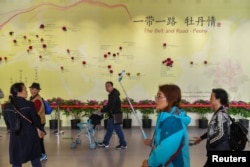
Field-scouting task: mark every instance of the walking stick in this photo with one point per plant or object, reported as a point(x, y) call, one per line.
point(131, 106)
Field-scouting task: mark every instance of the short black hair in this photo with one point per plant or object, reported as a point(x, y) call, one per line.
point(110, 82)
point(222, 95)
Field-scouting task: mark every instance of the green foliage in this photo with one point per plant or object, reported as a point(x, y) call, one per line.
point(127, 112)
point(239, 109)
point(75, 113)
point(233, 111)
point(146, 112)
point(245, 113)
point(201, 110)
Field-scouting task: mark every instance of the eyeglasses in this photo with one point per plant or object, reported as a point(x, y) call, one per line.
point(159, 97)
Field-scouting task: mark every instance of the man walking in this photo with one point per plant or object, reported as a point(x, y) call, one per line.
point(113, 109)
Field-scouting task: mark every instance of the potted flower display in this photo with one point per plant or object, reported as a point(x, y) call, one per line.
point(244, 112)
point(147, 108)
point(54, 102)
point(202, 111)
point(126, 109)
point(91, 106)
point(127, 121)
point(74, 111)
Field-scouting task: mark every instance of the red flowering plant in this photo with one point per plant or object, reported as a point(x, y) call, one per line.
point(72, 108)
point(103, 103)
point(92, 106)
point(185, 103)
point(148, 109)
point(202, 108)
point(55, 102)
point(239, 108)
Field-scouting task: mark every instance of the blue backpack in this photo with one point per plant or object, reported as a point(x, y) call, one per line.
point(47, 107)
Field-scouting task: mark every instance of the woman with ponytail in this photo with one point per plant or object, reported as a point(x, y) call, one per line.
point(24, 145)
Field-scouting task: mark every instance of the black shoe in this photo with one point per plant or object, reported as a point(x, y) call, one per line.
point(119, 147)
point(102, 145)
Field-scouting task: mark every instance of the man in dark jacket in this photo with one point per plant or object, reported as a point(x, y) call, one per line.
point(113, 109)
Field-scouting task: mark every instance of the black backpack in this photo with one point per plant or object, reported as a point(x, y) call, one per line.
point(238, 135)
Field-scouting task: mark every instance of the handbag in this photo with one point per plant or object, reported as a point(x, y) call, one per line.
point(117, 118)
point(40, 133)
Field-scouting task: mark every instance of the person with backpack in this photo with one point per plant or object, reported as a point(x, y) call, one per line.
point(38, 101)
point(218, 132)
point(170, 146)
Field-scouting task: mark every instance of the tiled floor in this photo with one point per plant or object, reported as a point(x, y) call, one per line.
point(60, 153)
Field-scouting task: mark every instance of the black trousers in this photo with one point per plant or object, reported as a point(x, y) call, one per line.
point(42, 143)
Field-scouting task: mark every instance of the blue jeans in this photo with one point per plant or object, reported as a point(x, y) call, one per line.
point(110, 128)
point(35, 163)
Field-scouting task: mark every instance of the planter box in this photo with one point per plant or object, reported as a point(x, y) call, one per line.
point(74, 123)
point(53, 124)
point(203, 123)
point(127, 123)
point(147, 123)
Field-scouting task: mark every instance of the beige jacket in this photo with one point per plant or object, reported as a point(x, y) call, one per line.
point(41, 111)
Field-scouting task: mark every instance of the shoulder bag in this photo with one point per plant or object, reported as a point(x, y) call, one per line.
point(41, 134)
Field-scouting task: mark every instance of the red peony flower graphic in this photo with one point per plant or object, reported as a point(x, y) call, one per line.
point(64, 28)
point(168, 62)
point(41, 26)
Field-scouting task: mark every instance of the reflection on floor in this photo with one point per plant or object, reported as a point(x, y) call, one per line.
point(60, 153)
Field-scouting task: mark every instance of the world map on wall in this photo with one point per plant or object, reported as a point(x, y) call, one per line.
point(73, 47)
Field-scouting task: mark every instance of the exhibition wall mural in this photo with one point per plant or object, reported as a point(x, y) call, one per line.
point(73, 47)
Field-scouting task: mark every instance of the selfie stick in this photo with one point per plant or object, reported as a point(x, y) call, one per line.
point(138, 121)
